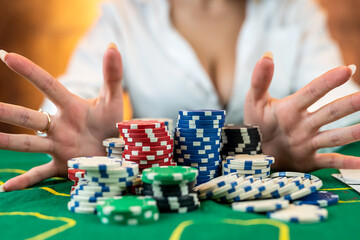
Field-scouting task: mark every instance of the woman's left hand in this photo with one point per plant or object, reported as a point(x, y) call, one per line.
point(291, 133)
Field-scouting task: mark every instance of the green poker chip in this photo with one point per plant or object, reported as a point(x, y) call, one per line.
point(169, 174)
point(128, 210)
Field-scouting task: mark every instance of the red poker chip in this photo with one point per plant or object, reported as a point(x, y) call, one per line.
point(146, 130)
point(142, 144)
point(74, 170)
point(142, 153)
point(148, 148)
point(130, 157)
point(149, 162)
point(147, 140)
point(156, 165)
point(140, 124)
point(146, 135)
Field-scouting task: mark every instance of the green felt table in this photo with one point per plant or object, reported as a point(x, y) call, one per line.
point(41, 212)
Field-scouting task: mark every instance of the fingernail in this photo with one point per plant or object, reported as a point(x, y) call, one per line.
point(352, 68)
point(2, 189)
point(268, 54)
point(2, 55)
point(112, 45)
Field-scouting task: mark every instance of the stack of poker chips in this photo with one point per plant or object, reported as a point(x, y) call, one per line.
point(172, 188)
point(289, 186)
point(240, 139)
point(128, 210)
point(114, 147)
point(197, 141)
point(147, 142)
point(248, 165)
point(100, 178)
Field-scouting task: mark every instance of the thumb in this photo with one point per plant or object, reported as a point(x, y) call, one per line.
point(261, 78)
point(113, 73)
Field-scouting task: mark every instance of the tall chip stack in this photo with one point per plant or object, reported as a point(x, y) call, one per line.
point(114, 147)
point(147, 142)
point(197, 141)
point(240, 139)
point(99, 178)
point(172, 188)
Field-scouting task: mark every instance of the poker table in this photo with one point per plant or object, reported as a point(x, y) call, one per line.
point(40, 212)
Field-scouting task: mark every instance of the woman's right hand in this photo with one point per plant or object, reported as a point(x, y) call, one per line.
point(78, 127)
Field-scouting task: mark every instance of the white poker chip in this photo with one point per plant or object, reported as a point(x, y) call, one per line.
point(215, 183)
point(258, 159)
point(94, 163)
point(260, 205)
point(300, 214)
point(114, 142)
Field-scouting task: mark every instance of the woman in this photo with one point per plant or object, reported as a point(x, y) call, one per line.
point(186, 54)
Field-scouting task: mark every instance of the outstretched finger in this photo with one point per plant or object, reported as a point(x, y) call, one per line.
point(335, 110)
point(320, 86)
point(113, 73)
point(261, 78)
point(41, 79)
point(337, 137)
point(31, 177)
point(336, 160)
point(25, 143)
point(22, 117)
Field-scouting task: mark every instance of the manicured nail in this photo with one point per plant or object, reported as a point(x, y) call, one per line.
point(2, 55)
point(268, 54)
point(352, 68)
point(2, 189)
point(112, 45)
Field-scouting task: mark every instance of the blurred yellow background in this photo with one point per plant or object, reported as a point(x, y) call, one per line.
point(47, 31)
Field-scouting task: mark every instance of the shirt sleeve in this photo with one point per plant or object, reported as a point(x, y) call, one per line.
point(84, 76)
point(318, 53)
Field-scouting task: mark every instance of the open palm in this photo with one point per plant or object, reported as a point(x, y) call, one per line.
point(78, 127)
point(291, 133)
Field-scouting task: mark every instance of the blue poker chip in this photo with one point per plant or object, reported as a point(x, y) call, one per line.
point(201, 122)
point(209, 172)
point(202, 112)
point(201, 126)
point(196, 143)
point(199, 156)
point(204, 147)
point(216, 117)
point(197, 139)
point(319, 198)
point(197, 160)
point(204, 134)
point(208, 165)
point(202, 168)
point(197, 152)
point(199, 130)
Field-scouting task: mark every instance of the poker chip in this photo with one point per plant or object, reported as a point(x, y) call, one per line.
point(145, 135)
point(294, 174)
point(172, 188)
point(251, 160)
point(148, 148)
point(143, 130)
point(114, 142)
point(203, 112)
point(169, 173)
point(79, 209)
point(128, 210)
point(140, 124)
point(300, 214)
point(194, 117)
point(94, 163)
point(260, 205)
point(319, 198)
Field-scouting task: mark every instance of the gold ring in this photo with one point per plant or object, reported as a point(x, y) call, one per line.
point(46, 129)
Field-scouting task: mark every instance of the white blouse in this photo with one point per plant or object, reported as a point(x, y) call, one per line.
point(163, 74)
